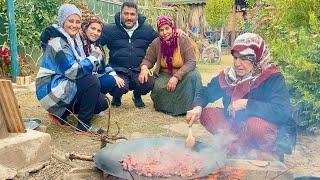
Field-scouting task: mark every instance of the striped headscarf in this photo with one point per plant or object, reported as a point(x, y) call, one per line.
point(168, 46)
point(252, 47)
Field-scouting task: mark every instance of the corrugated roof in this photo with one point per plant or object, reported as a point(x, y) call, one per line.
point(173, 2)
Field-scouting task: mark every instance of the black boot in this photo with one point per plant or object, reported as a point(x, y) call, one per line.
point(116, 102)
point(138, 101)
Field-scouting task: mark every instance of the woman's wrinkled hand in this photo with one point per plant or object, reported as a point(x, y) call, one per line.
point(172, 84)
point(120, 82)
point(193, 115)
point(236, 106)
point(143, 76)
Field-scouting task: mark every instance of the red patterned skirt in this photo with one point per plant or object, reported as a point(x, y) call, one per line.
point(254, 134)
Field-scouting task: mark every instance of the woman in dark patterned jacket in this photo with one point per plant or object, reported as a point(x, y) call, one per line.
point(255, 99)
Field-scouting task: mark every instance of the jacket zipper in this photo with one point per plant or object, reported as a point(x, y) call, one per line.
point(130, 55)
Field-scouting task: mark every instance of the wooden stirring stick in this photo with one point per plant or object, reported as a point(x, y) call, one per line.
point(190, 141)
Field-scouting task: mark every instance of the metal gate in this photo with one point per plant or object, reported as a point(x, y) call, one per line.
point(104, 8)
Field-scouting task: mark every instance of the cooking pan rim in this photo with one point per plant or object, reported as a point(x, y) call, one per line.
point(126, 175)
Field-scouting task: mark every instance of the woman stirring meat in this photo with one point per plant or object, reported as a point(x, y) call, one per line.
point(177, 81)
point(255, 99)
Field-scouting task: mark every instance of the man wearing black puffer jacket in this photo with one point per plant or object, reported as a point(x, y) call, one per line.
point(127, 40)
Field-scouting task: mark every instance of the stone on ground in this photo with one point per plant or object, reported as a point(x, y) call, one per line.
point(23, 150)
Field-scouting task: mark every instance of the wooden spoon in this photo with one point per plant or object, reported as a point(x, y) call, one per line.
point(190, 141)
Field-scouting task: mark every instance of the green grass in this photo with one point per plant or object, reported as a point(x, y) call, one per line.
point(144, 122)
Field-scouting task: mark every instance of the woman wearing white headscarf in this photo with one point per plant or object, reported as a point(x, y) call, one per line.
point(255, 99)
point(65, 79)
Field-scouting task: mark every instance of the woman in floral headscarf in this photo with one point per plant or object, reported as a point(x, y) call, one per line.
point(177, 80)
point(91, 32)
point(255, 99)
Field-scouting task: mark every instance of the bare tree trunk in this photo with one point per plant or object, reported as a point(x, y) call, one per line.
point(233, 33)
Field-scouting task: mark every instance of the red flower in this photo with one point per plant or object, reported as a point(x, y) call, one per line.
point(4, 53)
point(6, 62)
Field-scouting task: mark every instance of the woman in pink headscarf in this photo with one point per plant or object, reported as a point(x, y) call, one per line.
point(177, 80)
point(256, 103)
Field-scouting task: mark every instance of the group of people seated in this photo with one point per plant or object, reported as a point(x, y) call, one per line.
point(75, 78)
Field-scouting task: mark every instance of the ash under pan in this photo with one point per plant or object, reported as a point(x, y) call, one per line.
point(107, 159)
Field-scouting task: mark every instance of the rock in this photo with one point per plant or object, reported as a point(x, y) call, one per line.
point(22, 150)
point(83, 174)
point(7, 173)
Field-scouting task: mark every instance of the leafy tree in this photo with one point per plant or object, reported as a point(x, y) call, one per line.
point(32, 16)
point(291, 28)
point(217, 12)
point(152, 10)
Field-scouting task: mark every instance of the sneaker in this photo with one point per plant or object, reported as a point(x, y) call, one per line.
point(116, 102)
point(97, 130)
point(138, 102)
point(92, 131)
point(100, 114)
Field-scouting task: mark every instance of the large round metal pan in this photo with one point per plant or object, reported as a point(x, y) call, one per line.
point(107, 159)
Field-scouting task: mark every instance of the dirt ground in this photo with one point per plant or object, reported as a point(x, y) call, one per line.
point(133, 123)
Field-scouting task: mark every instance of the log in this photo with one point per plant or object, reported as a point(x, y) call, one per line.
point(64, 160)
point(73, 156)
point(3, 127)
point(10, 108)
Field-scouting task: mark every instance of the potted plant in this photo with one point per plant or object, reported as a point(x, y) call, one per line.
point(25, 71)
point(24, 65)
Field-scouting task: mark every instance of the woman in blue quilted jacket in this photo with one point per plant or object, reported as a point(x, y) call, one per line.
point(65, 79)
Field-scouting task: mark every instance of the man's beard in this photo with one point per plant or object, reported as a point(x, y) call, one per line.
point(125, 26)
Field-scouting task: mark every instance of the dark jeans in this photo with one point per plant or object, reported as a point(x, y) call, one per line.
point(88, 100)
point(132, 83)
point(107, 83)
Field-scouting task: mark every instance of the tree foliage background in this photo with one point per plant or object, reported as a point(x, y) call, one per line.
point(292, 30)
point(32, 16)
point(217, 12)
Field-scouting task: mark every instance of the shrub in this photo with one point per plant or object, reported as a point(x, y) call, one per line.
point(295, 45)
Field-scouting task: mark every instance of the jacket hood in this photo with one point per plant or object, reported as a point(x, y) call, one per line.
point(141, 19)
point(49, 33)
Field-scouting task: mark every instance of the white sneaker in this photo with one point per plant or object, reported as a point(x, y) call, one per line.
point(101, 114)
